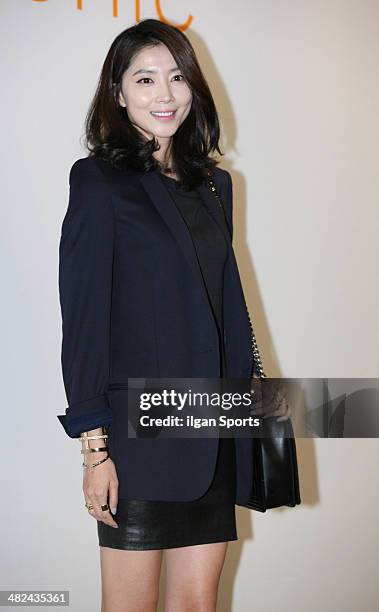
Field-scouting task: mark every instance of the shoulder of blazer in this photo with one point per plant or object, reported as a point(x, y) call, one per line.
point(100, 167)
point(223, 182)
point(92, 166)
point(220, 172)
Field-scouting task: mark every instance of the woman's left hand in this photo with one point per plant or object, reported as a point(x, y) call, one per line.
point(274, 401)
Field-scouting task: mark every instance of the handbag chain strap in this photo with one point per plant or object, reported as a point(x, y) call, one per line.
point(257, 362)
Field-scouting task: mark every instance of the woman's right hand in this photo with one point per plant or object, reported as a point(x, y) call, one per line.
point(100, 484)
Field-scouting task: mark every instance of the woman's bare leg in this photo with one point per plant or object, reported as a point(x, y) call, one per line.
point(129, 579)
point(193, 575)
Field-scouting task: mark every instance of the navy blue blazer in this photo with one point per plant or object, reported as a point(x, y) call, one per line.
point(134, 304)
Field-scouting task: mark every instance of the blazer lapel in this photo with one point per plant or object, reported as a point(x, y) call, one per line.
point(158, 194)
point(162, 200)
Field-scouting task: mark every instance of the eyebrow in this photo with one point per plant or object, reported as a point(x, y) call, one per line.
point(152, 71)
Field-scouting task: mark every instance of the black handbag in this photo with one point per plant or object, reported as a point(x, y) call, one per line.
point(275, 471)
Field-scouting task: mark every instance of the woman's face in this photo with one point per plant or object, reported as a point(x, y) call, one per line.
point(152, 84)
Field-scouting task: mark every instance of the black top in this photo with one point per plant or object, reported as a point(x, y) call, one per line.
point(210, 246)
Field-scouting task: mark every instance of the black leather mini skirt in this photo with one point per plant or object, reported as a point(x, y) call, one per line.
point(152, 525)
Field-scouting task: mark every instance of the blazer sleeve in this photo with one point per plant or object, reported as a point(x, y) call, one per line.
point(85, 288)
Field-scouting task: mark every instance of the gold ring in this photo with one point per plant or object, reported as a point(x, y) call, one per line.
point(88, 506)
point(104, 507)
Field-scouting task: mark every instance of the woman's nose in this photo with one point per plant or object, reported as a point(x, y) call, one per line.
point(164, 92)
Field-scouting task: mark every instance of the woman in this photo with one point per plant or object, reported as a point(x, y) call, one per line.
point(149, 286)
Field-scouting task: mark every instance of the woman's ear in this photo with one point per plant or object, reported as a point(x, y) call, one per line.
point(121, 99)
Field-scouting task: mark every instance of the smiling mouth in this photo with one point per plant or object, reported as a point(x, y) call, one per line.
point(165, 115)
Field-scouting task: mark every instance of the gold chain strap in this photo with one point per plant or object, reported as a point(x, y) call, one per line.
point(257, 362)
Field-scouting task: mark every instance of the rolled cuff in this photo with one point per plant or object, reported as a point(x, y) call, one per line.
point(86, 415)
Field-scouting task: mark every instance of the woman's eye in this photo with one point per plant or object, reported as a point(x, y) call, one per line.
point(149, 79)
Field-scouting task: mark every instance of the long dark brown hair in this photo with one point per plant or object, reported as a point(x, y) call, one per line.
point(109, 134)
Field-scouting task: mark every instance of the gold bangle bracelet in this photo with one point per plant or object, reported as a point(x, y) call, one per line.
point(94, 450)
point(98, 437)
point(85, 438)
